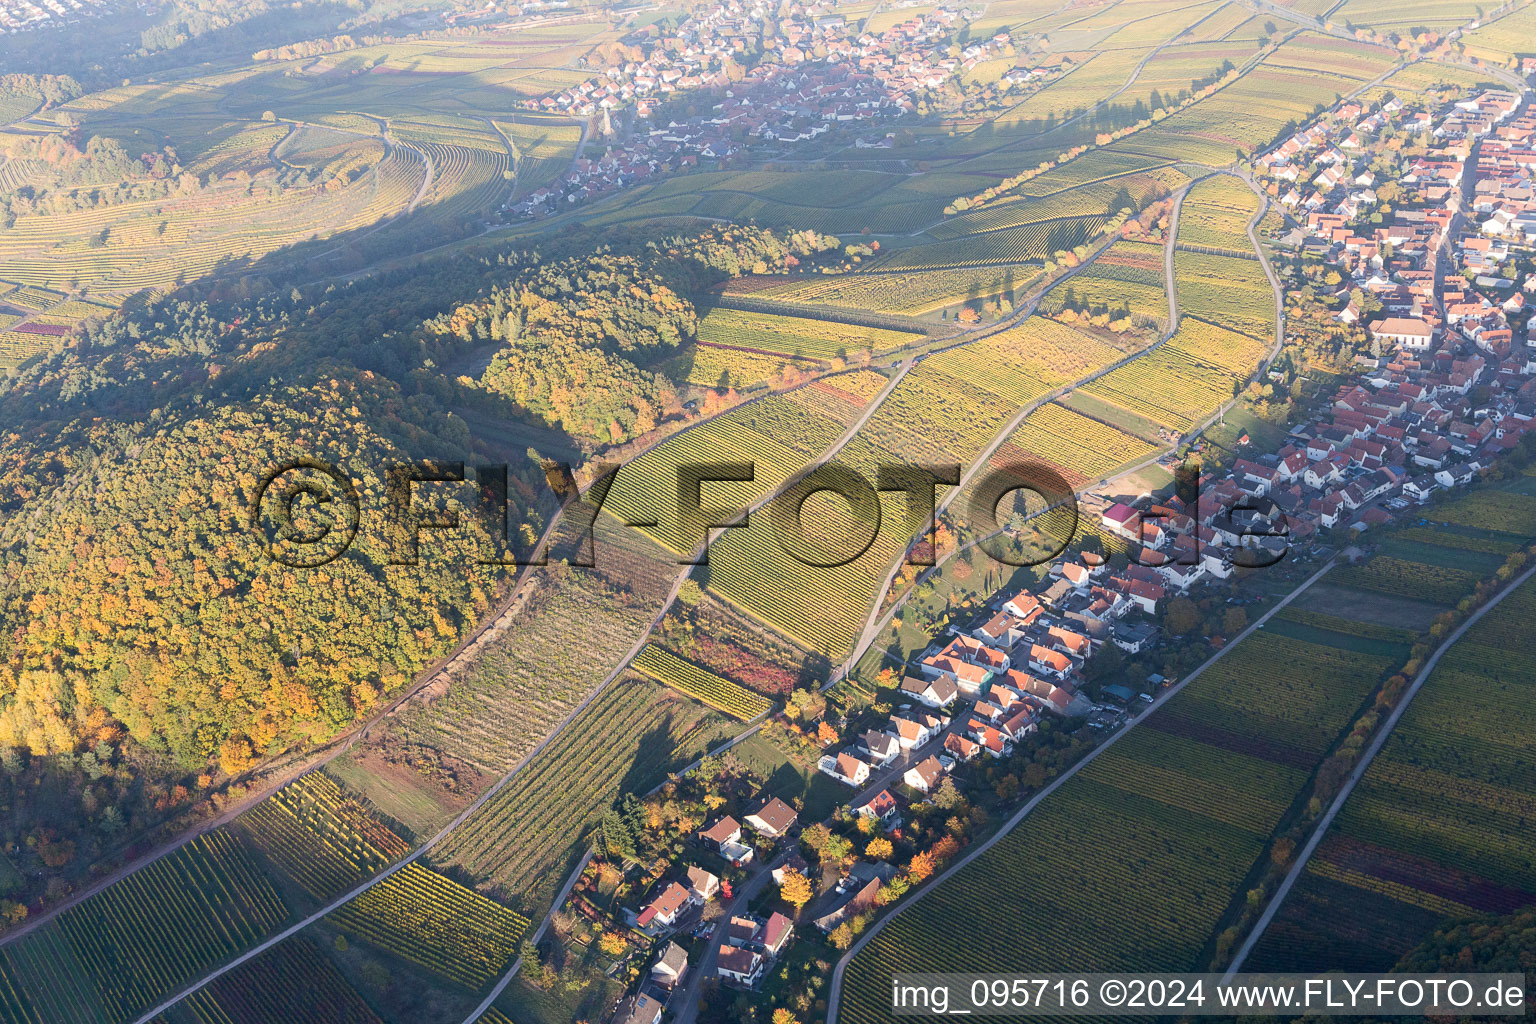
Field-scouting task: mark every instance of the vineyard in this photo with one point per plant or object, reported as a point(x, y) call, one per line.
point(1127, 276)
point(520, 686)
point(912, 292)
point(544, 149)
point(1216, 213)
point(627, 740)
point(136, 942)
point(778, 436)
point(1176, 812)
point(711, 366)
point(946, 411)
point(293, 982)
point(1227, 290)
point(701, 684)
point(435, 922)
point(1495, 510)
point(800, 337)
point(1439, 827)
point(1403, 578)
point(1008, 245)
point(320, 837)
point(1081, 449)
point(1169, 386)
point(1501, 40)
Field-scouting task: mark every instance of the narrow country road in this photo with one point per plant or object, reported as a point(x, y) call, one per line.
point(1321, 829)
point(686, 1000)
point(1035, 801)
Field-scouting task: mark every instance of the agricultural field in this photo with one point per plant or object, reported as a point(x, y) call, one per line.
point(714, 366)
point(544, 149)
point(1435, 15)
point(433, 921)
point(800, 337)
point(1081, 449)
point(1177, 811)
point(700, 684)
point(1215, 214)
point(518, 845)
point(528, 675)
point(1439, 827)
point(1226, 290)
point(777, 436)
point(912, 293)
point(1016, 245)
point(1186, 380)
point(945, 412)
point(131, 945)
point(315, 833)
point(294, 982)
point(1401, 577)
point(1126, 278)
point(1504, 39)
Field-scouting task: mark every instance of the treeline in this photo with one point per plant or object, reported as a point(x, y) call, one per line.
point(582, 337)
point(47, 89)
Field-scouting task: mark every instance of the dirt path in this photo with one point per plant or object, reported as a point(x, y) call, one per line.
point(1355, 776)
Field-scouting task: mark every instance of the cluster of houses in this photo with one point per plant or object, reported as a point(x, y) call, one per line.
point(1409, 425)
point(749, 944)
point(1325, 176)
point(17, 15)
point(816, 74)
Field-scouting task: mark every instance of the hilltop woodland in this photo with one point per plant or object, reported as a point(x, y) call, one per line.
point(154, 651)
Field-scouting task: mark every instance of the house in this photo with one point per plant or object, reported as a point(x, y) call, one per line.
point(844, 768)
point(881, 747)
point(961, 747)
point(793, 862)
point(881, 807)
point(1410, 332)
point(772, 819)
point(1025, 607)
point(1123, 521)
point(936, 693)
point(924, 776)
point(726, 830)
point(1134, 637)
point(853, 893)
point(743, 966)
point(743, 932)
point(670, 968)
point(777, 931)
point(639, 1009)
point(702, 885)
point(914, 732)
point(1049, 662)
point(663, 911)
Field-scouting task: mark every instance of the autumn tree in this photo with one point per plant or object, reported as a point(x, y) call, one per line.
point(795, 889)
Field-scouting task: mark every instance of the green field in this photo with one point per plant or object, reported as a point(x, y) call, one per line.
point(1438, 829)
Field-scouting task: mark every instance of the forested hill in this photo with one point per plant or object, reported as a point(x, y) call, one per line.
point(146, 626)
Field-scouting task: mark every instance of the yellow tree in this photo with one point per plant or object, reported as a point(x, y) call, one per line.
point(795, 889)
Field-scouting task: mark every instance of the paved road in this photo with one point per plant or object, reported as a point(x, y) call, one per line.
point(978, 849)
point(1355, 776)
point(686, 1000)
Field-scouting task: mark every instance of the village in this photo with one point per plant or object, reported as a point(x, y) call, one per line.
point(19, 15)
point(739, 875)
point(812, 76)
